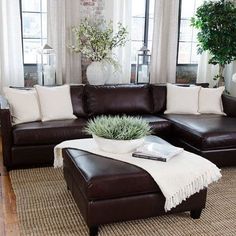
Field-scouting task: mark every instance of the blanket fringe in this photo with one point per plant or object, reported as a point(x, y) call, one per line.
point(199, 183)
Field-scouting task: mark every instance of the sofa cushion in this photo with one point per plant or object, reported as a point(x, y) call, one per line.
point(159, 126)
point(100, 178)
point(78, 100)
point(49, 132)
point(205, 132)
point(229, 105)
point(119, 99)
point(159, 98)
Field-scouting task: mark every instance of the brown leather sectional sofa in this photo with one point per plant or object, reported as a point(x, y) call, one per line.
point(211, 136)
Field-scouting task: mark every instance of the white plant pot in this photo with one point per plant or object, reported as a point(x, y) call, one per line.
point(118, 146)
point(97, 73)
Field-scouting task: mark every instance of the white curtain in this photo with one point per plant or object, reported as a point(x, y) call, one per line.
point(230, 83)
point(11, 61)
point(165, 37)
point(206, 73)
point(121, 11)
point(62, 15)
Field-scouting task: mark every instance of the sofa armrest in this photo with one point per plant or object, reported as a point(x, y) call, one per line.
point(229, 105)
point(6, 131)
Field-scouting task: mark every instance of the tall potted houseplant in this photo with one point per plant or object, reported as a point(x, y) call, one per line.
point(95, 41)
point(216, 22)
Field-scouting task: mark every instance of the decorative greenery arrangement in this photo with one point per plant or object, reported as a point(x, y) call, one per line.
point(95, 40)
point(216, 21)
point(118, 127)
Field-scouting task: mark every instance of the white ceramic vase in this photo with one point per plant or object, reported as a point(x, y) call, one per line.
point(97, 73)
point(114, 75)
point(118, 146)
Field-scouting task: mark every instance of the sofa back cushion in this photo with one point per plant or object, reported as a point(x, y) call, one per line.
point(229, 105)
point(119, 99)
point(159, 98)
point(78, 100)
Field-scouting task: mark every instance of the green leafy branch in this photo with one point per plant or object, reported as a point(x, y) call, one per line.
point(95, 40)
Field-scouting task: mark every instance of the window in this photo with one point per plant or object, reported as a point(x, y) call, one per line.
point(187, 46)
point(142, 29)
point(34, 28)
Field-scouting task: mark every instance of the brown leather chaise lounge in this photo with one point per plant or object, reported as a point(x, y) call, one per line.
point(211, 136)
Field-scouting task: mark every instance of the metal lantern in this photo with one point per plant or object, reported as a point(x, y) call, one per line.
point(46, 66)
point(143, 66)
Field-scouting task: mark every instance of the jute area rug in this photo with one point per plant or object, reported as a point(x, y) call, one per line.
point(45, 207)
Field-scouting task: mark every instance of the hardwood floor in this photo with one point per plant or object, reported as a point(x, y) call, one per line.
point(8, 217)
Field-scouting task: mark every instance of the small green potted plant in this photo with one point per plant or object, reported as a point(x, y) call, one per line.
point(216, 22)
point(95, 41)
point(118, 134)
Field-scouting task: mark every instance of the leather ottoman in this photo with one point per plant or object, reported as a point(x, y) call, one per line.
point(108, 190)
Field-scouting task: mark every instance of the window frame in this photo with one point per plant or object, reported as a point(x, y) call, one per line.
point(179, 24)
point(146, 24)
point(41, 12)
point(145, 40)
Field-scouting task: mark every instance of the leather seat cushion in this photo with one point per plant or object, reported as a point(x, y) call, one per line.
point(100, 178)
point(159, 126)
point(50, 132)
point(205, 132)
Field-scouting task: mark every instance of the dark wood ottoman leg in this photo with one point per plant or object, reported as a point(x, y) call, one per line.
point(93, 231)
point(195, 214)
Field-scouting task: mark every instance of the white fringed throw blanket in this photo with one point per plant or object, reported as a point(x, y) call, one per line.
point(178, 179)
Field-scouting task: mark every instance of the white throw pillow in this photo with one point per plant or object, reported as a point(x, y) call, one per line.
point(210, 101)
point(55, 102)
point(24, 105)
point(182, 100)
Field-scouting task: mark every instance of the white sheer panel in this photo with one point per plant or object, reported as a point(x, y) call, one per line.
point(62, 15)
point(11, 61)
point(120, 11)
point(165, 37)
point(206, 73)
